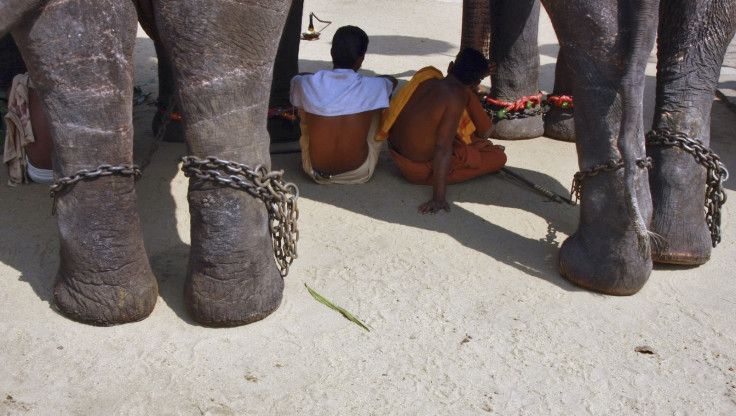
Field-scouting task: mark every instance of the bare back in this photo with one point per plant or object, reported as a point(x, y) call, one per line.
point(338, 144)
point(39, 151)
point(431, 115)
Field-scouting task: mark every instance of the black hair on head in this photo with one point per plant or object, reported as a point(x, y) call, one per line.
point(348, 45)
point(470, 66)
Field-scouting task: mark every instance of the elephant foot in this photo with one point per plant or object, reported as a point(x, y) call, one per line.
point(104, 276)
point(232, 278)
point(607, 254)
point(680, 239)
point(559, 124)
point(606, 265)
point(681, 234)
point(519, 128)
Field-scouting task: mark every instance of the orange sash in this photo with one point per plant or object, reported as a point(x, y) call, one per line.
point(464, 129)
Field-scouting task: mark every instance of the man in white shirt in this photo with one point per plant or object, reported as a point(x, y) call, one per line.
point(340, 111)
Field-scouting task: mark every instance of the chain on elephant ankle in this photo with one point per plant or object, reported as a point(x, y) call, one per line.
point(717, 173)
point(524, 107)
point(561, 101)
point(610, 166)
point(279, 197)
point(102, 170)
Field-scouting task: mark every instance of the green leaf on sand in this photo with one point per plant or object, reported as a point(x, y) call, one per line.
point(344, 313)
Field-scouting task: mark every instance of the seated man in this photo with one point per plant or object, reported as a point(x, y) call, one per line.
point(438, 131)
point(340, 111)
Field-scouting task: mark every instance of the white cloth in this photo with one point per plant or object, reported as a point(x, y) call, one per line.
point(38, 175)
point(338, 92)
point(19, 131)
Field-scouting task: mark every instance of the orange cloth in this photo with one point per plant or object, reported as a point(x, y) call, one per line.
point(464, 129)
point(468, 161)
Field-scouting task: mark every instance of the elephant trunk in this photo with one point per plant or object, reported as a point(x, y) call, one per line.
point(630, 142)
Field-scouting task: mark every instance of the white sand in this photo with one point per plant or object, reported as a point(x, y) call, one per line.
point(467, 312)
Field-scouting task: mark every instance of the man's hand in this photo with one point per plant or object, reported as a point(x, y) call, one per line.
point(433, 206)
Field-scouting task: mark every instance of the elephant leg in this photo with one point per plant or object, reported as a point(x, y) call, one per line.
point(173, 130)
point(11, 64)
point(693, 37)
point(222, 59)
point(609, 252)
point(476, 30)
point(80, 58)
point(285, 67)
point(514, 28)
point(558, 120)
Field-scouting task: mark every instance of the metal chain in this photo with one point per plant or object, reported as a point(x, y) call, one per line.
point(610, 166)
point(279, 197)
point(515, 115)
point(717, 173)
point(102, 170)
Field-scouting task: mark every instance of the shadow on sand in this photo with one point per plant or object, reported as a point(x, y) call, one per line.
point(396, 201)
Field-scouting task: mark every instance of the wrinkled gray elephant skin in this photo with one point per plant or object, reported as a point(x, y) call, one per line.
point(503, 29)
point(80, 57)
point(629, 218)
point(691, 47)
point(610, 250)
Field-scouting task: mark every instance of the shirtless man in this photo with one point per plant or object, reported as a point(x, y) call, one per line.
point(438, 130)
point(340, 111)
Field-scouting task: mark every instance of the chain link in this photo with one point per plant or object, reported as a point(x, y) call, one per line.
point(516, 115)
point(279, 197)
point(610, 166)
point(717, 173)
point(102, 170)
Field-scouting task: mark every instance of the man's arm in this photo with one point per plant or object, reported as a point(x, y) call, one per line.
point(443, 153)
point(484, 126)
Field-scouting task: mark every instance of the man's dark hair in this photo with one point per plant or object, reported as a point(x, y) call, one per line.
point(470, 66)
point(348, 45)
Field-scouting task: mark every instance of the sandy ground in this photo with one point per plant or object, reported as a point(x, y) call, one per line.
point(467, 312)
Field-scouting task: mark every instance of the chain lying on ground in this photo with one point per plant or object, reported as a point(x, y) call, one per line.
point(610, 166)
point(717, 173)
point(102, 170)
point(524, 107)
point(279, 197)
